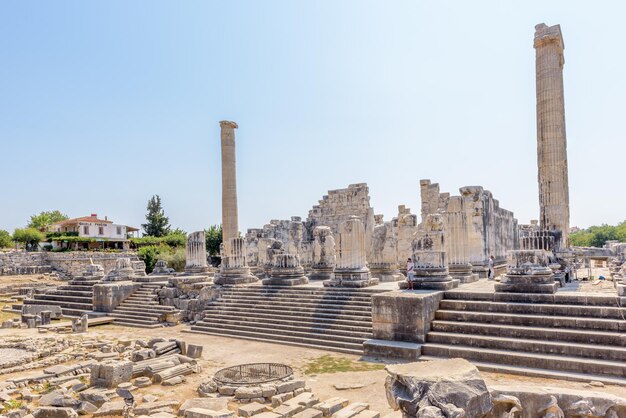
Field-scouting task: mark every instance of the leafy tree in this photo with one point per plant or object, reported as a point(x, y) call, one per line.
point(45, 219)
point(28, 237)
point(213, 240)
point(597, 236)
point(158, 224)
point(5, 239)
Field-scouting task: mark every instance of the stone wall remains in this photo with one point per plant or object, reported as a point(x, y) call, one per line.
point(69, 264)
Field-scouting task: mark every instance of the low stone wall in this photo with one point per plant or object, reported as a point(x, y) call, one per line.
point(21, 262)
point(70, 264)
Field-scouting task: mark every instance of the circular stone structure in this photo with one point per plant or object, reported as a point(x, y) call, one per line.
point(253, 374)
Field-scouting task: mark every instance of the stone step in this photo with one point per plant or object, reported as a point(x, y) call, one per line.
point(533, 308)
point(63, 304)
point(321, 317)
point(533, 320)
point(568, 349)
point(562, 298)
point(299, 303)
point(290, 299)
point(534, 372)
point(301, 289)
point(539, 361)
point(328, 323)
point(78, 293)
point(148, 317)
point(300, 295)
point(49, 296)
point(299, 327)
point(270, 330)
point(241, 306)
point(141, 301)
point(616, 339)
point(356, 348)
point(150, 308)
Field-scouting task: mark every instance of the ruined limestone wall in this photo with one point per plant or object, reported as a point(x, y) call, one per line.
point(477, 226)
point(70, 264)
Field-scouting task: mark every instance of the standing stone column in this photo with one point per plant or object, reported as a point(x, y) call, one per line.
point(456, 242)
point(324, 258)
point(234, 268)
point(230, 217)
point(430, 257)
point(551, 140)
point(195, 260)
point(351, 270)
point(384, 254)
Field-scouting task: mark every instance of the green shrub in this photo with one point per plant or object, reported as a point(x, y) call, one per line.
point(175, 257)
point(149, 255)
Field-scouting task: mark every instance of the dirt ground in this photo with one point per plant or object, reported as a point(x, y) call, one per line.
point(221, 352)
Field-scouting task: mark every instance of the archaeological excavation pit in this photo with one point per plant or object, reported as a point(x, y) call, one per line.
point(253, 374)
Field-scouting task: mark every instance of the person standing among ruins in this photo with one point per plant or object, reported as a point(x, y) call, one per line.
point(410, 272)
point(491, 271)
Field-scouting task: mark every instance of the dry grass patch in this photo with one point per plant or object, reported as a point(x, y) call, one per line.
point(334, 364)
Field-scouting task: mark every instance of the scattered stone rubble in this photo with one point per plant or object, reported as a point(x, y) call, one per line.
point(88, 385)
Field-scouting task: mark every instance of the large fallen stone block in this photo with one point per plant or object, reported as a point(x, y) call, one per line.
point(52, 412)
point(351, 410)
point(214, 404)
point(332, 405)
point(540, 401)
point(111, 373)
point(207, 413)
point(37, 309)
point(451, 387)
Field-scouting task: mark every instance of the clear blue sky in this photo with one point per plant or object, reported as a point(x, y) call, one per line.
point(103, 104)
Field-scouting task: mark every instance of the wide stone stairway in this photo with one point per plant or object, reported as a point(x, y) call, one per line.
point(142, 309)
point(75, 298)
point(568, 334)
point(336, 319)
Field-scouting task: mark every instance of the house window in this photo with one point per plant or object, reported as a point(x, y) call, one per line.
point(100, 230)
point(86, 230)
point(119, 230)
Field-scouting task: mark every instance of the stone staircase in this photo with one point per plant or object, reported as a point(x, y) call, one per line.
point(566, 334)
point(336, 319)
point(75, 298)
point(142, 309)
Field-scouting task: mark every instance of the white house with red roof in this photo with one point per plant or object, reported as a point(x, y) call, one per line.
point(93, 233)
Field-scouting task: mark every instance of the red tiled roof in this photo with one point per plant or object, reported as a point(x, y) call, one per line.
point(83, 219)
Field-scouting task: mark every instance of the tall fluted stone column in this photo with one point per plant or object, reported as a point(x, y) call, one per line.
point(351, 270)
point(551, 139)
point(230, 217)
point(234, 268)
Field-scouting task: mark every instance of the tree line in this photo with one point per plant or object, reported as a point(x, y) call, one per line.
point(597, 236)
